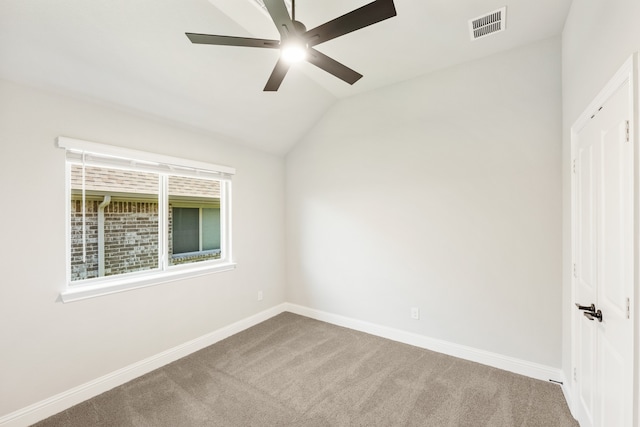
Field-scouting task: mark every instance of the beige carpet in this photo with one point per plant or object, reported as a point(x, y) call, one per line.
point(295, 371)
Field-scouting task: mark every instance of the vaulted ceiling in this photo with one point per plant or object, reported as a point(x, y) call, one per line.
point(134, 54)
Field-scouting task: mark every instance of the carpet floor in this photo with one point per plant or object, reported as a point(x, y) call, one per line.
point(295, 371)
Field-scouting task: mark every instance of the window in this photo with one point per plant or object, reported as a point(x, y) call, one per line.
point(195, 230)
point(137, 219)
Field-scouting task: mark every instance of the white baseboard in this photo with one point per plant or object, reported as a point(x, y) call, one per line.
point(45, 408)
point(511, 364)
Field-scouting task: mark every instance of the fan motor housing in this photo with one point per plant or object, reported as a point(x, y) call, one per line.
point(299, 27)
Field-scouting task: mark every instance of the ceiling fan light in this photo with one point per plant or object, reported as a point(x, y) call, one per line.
point(294, 52)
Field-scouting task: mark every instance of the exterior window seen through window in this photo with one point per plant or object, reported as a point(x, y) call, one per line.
point(195, 229)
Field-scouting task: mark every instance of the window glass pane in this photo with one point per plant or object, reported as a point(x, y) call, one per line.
point(210, 228)
point(194, 220)
point(118, 232)
point(186, 230)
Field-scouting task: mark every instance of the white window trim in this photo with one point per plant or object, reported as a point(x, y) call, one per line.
point(99, 286)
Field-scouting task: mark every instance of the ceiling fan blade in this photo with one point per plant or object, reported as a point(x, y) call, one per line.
point(232, 41)
point(368, 14)
point(277, 75)
point(280, 15)
point(332, 66)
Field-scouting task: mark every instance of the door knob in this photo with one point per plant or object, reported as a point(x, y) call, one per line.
point(591, 315)
point(591, 307)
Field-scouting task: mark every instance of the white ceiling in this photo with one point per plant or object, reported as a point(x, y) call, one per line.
point(134, 54)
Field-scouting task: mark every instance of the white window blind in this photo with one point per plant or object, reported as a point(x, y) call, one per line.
point(95, 154)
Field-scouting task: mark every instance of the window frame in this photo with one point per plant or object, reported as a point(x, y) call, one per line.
point(104, 155)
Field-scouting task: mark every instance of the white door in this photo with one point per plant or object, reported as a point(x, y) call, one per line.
point(603, 230)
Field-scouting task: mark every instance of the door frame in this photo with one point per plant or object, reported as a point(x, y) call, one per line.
point(628, 72)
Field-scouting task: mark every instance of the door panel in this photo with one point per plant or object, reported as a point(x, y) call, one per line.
point(611, 372)
point(586, 368)
point(615, 263)
point(586, 263)
point(616, 204)
point(604, 254)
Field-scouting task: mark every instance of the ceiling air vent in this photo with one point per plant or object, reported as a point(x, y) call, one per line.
point(487, 24)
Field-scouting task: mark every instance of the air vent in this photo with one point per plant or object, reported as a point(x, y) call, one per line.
point(488, 24)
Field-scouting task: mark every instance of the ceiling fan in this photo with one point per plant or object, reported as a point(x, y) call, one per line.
point(296, 42)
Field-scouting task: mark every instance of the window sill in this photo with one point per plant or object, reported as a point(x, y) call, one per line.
point(142, 280)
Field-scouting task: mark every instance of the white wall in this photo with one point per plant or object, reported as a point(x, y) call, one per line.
point(442, 193)
point(47, 347)
point(597, 39)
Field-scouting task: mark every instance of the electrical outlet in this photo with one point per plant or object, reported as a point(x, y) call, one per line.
point(415, 313)
point(259, 295)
